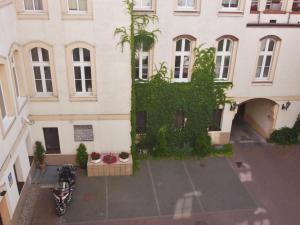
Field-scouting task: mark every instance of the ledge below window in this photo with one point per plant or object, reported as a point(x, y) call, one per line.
point(274, 12)
point(273, 25)
point(33, 16)
point(44, 99)
point(230, 13)
point(186, 12)
point(262, 83)
point(80, 98)
point(79, 16)
point(144, 12)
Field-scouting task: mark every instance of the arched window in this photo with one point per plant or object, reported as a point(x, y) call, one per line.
point(82, 70)
point(224, 54)
point(41, 70)
point(182, 59)
point(142, 62)
point(265, 58)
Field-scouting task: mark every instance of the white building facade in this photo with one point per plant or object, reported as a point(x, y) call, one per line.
point(64, 80)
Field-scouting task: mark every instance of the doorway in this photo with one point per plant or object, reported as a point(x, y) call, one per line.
point(254, 121)
point(51, 140)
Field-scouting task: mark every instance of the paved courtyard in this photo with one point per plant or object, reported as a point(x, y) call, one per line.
point(259, 185)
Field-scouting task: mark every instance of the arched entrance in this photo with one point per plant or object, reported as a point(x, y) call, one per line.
point(254, 121)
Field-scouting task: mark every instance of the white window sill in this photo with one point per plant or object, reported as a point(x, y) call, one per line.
point(180, 80)
point(33, 15)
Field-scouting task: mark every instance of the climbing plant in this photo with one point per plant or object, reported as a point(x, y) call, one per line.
point(198, 99)
point(136, 36)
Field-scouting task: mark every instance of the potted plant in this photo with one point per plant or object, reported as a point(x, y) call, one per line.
point(124, 157)
point(40, 155)
point(95, 157)
point(110, 158)
point(82, 156)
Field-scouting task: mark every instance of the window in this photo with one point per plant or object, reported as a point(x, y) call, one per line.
point(273, 5)
point(142, 64)
point(77, 5)
point(182, 60)
point(2, 103)
point(143, 4)
point(180, 119)
point(82, 70)
point(186, 4)
point(224, 52)
point(33, 5)
point(254, 6)
point(265, 59)
point(216, 120)
point(296, 6)
point(141, 122)
point(230, 4)
point(41, 70)
point(83, 133)
point(14, 75)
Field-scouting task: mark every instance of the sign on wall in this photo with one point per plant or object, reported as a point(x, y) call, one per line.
point(83, 133)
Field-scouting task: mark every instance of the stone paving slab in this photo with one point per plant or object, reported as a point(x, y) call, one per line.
point(174, 190)
point(89, 200)
point(220, 187)
point(130, 197)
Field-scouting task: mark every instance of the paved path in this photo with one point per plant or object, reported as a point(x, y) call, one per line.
point(263, 188)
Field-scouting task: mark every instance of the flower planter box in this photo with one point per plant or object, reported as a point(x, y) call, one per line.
point(103, 169)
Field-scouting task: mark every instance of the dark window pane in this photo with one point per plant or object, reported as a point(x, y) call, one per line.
point(34, 55)
point(77, 72)
point(76, 56)
point(179, 119)
point(271, 45)
point(185, 72)
point(228, 45)
point(176, 72)
point(268, 60)
point(38, 4)
point(266, 71)
point(45, 55)
point(28, 4)
point(178, 45)
point(258, 71)
point(220, 46)
point(87, 72)
point(141, 122)
point(145, 73)
point(88, 85)
point(187, 46)
point(47, 72)
point(177, 61)
point(86, 55)
point(137, 73)
point(49, 85)
point(145, 61)
point(37, 72)
point(227, 60)
point(78, 85)
point(216, 120)
point(225, 72)
point(39, 86)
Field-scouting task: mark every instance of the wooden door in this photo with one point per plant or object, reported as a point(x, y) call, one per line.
point(51, 140)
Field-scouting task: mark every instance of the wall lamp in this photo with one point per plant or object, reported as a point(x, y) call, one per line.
point(286, 105)
point(233, 106)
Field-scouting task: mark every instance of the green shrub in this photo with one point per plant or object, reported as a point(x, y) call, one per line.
point(203, 145)
point(39, 152)
point(161, 148)
point(82, 156)
point(284, 136)
point(296, 126)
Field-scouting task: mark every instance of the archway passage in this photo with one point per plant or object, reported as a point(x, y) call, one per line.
point(254, 120)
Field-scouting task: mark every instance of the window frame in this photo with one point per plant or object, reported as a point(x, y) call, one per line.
point(187, 10)
point(34, 6)
point(231, 8)
point(17, 74)
point(253, 2)
point(270, 11)
point(273, 63)
point(233, 55)
point(295, 2)
point(182, 54)
point(34, 95)
point(41, 64)
point(77, 11)
point(77, 14)
point(6, 121)
point(139, 56)
point(73, 95)
point(82, 64)
point(22, 13)
point(142, 8)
